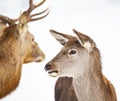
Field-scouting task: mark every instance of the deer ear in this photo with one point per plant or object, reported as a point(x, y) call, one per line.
point(85, 41)
point(61, 38)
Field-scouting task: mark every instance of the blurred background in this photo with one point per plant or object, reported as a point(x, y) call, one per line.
point(99, 19)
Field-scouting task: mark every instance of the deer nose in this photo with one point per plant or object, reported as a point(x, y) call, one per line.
point(48, 67)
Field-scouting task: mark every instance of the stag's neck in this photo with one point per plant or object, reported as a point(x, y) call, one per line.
point(9, 77)
point(10, 68)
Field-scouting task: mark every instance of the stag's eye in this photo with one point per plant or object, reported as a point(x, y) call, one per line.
point(73, 52)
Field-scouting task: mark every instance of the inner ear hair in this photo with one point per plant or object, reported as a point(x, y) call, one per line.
point(88, 46)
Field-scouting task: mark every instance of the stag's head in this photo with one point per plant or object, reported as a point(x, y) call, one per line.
point(17, 31)
point(75, 57)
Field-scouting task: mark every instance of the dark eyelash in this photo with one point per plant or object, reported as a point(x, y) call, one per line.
point(72, 52)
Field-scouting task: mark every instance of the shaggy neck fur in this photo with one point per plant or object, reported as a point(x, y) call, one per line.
point(10, 64)
point(91, 86)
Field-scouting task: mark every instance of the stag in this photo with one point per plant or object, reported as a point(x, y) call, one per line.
point(17, 46)
point(79, 59)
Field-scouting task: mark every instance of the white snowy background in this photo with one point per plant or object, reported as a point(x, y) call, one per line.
point(100, 19)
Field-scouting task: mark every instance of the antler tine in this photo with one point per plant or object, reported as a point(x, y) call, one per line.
point(8, 20)
point(27, 14)
point(39, 13)
point(38, 18)
point(33, 6)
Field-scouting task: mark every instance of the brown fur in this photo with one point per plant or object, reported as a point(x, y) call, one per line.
point(64, 90)
point(12, 57)
point(10, 62)
point(17, 46)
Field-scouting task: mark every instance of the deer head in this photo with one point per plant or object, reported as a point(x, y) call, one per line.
point(18, 30)
point(75, 57)
point(79, 59)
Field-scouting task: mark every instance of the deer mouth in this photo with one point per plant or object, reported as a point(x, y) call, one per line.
point(53, 73)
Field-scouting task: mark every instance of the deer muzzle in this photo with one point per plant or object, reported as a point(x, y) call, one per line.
point(52, 70)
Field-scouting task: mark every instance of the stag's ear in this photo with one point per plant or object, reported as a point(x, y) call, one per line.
point(85, 41)
point(60, 37)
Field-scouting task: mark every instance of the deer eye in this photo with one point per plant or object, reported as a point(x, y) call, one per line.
point(72, 52)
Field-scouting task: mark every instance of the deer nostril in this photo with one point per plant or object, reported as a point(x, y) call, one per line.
point(48, 67)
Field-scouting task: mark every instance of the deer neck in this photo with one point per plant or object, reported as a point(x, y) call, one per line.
point(10, 67)
point(88, 85)
point(9, 78)
point(10, 72)
point(84, 85)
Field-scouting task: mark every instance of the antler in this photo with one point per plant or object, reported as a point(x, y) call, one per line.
point(38, 18)
point(8, 20)
point(33, 6)
point(26, 14)
point(29, 17)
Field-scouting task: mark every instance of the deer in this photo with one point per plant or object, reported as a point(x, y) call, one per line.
point(79, 63)
point(18, 47)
